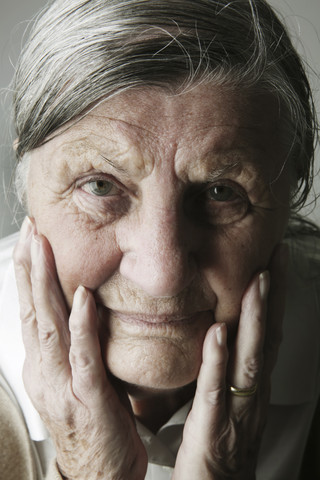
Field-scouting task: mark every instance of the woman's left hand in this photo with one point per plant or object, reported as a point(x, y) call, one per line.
point(223, 431)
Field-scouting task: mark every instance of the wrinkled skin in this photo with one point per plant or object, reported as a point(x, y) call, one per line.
point(166, 208)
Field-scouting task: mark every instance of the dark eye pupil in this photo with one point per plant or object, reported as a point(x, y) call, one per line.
point(221, 193)
point(100, 184)
point(100, 187)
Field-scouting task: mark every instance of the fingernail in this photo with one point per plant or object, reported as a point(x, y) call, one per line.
point(264, 284)
point(221, 334)
point(26, 228)
point(79, 298)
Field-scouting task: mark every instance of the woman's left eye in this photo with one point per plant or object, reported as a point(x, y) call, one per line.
point(222, 193)
point(100, 188)
point(221, 204)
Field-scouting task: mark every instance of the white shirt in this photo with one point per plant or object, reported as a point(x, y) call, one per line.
point(295, 381)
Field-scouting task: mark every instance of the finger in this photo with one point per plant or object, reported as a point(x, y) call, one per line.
point(208, 419)
point(209, 408)
point(276, 306)
point(88, 373)
point(246, 365)
point(51, 312)
point(22, 265)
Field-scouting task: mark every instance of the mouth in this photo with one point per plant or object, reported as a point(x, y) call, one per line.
point(161, 321)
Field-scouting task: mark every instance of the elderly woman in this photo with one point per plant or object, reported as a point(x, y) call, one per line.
point(163, 147)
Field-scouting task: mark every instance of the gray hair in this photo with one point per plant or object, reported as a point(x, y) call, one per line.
point(82, 51)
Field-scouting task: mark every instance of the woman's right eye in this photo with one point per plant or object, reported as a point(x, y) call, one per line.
point(102, 198)
point(100, 188)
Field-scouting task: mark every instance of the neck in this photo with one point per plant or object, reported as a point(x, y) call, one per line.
point(153, 408)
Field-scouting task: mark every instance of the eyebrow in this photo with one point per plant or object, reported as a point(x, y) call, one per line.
point(118, 168)
point(211, 177)
point(220, 172)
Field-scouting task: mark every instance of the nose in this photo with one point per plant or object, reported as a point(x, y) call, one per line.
point(159, 254)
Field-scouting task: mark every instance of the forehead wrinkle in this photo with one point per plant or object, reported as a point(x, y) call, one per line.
point(124, 125)
point(70, 155)
point(220, 156)
point(136, 145)
point(82, 150)
point(96, 151)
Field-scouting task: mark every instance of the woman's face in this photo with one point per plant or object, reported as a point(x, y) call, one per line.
point(164, 206)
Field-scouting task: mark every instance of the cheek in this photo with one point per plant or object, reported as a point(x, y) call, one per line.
point(83, 255)
point(235, 257)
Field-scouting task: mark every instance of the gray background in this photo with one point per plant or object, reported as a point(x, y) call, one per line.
point(302, 18)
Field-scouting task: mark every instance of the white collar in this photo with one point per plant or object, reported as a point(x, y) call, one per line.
point(162, 447)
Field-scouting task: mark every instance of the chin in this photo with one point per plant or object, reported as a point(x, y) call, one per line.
point(160, 366)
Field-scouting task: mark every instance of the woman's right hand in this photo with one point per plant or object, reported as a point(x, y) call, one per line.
point(93, 431)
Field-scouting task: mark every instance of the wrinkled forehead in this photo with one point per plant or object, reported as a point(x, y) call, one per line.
point(200, 107)
point(141, 127)
point(202, 103)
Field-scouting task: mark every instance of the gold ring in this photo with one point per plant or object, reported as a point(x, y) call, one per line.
point(243, 392)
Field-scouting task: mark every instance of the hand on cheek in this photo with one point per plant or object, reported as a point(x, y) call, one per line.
point(64, 372)
point(224, 428)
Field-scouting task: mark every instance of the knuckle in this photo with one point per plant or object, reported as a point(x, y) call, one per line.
point(215, 397)
point(77, 328)
point(212, 396)
point(81, 360)
point(48, 337)
point(252, 367)
point(87, 377)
